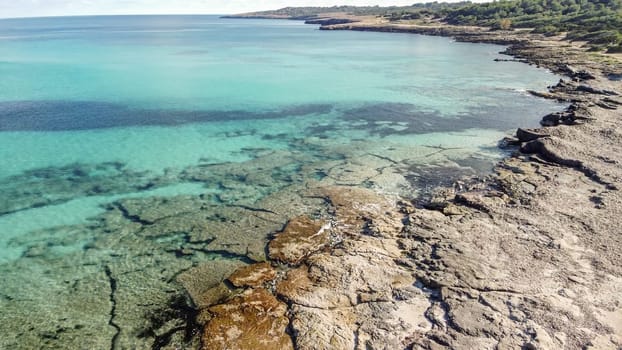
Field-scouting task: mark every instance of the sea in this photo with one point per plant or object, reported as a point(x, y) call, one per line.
point(143, 158)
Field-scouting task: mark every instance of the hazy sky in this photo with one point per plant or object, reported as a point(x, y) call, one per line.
point(31, 8)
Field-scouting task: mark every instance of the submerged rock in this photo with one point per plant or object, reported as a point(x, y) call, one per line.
point(57, 185)
point(203, 282)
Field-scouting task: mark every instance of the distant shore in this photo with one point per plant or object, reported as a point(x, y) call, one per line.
point(529, 257)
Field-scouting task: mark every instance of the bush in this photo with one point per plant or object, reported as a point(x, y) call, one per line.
point(504, 24)
point(615, 49)
point(597, 21)
point(548, 30)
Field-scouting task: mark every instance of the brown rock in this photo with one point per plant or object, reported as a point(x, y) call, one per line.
point(296, 279)
point(526, 135)
point(301, 237)
point(452, 209)
point(212, 296)
point(253, 320)
point(474, 200)
point(329, 281)
point(252, 275)
point(306, 292)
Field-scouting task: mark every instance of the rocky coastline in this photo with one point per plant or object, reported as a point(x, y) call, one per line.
point(304, 248)
point(528, 257)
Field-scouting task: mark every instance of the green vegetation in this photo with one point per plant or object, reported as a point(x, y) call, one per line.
point(310, 12)
point(598, 22)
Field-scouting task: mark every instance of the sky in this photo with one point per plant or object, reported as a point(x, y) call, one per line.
point(37, 8)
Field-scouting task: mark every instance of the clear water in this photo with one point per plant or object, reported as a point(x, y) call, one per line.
point(107, 119)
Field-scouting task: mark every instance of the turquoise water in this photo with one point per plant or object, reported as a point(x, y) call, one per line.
point(135, 148)
point(122, 74)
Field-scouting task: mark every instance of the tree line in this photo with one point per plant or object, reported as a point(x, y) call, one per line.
point(598, 22)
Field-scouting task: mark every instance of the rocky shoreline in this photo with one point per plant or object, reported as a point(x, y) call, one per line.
point(303, 248)
point(528, 257)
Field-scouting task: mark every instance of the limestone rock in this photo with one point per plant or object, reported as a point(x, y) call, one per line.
point(299, 288)
point(452, 209)
point(203, 282)
point(355, 208)
point(526, 135)
point(351, 173)
point(509, 142)
point(362, 276)
point(318, 329)
point(301, 237)
point(483, 201)
point(252, 275)
point(253, 320)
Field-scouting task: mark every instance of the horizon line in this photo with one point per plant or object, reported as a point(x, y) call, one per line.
point(123, 14)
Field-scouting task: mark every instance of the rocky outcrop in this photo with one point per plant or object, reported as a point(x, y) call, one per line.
point(526, 135)
point(354, 291)
point(300, 238)
point(330, 21)
point(253, 320)
point(253, 275)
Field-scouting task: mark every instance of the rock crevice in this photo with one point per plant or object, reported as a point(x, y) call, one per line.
point(113, 308)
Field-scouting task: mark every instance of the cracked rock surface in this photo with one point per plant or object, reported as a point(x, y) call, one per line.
point(527, 259)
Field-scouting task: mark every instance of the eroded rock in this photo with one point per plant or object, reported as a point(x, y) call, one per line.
point(300, 237)
point(252, 275)
point(253, 320)
point(526, 135)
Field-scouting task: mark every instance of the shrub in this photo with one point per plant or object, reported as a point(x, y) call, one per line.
point(505, 24)
point(615, 49)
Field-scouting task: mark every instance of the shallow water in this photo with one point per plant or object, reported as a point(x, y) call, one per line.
point(136, 148)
